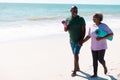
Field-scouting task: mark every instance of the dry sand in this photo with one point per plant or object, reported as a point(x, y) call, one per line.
point(50, 58)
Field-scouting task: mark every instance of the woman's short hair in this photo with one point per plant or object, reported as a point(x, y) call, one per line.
point(98, 15)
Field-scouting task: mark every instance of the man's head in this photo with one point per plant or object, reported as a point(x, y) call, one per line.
point(74, 10)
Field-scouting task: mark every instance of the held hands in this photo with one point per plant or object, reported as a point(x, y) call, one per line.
point(80, 43)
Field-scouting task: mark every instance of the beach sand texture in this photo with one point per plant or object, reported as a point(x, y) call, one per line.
point(50, 58)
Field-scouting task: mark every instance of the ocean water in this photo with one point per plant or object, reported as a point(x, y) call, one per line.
point(30, 20)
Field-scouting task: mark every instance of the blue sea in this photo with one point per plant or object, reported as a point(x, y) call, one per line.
point(30, 20)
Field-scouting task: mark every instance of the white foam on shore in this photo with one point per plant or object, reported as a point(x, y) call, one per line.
point(24, 31)
point(29, 31)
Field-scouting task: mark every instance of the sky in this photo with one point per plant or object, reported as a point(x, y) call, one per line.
point(67, 1)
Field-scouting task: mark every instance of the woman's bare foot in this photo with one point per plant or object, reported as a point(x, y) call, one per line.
point(93, 76)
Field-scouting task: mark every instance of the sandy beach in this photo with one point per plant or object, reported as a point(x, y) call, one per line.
point(33, 45)
point(50, 58)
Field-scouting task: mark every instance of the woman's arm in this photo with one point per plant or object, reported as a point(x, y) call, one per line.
point(105, 37)
point(86, 38)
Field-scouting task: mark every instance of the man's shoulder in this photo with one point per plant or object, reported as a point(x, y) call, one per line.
point(80, 17)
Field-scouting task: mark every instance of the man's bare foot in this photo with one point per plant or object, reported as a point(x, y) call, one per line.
point(105, 70)
point(73, 74)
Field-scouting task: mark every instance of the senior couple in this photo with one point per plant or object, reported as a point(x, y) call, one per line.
point(75, 26)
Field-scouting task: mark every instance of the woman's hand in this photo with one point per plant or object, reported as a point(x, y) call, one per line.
point(99, 38)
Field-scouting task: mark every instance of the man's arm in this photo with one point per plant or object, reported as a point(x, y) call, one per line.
point(83, 35)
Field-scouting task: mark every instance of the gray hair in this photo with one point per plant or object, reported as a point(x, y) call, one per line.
point(98, 15)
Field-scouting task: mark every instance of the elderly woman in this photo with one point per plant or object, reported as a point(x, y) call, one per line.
point(98, 44)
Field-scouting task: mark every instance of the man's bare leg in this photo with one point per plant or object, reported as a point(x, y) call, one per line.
point(76, 64)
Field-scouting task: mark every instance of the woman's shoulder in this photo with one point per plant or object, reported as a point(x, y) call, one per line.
point(104, 27)
point(104, 24)
point(92, 27)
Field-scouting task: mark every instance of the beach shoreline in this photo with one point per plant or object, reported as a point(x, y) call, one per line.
point(34, 46)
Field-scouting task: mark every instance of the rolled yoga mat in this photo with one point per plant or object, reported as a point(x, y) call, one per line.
point(102, 33)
